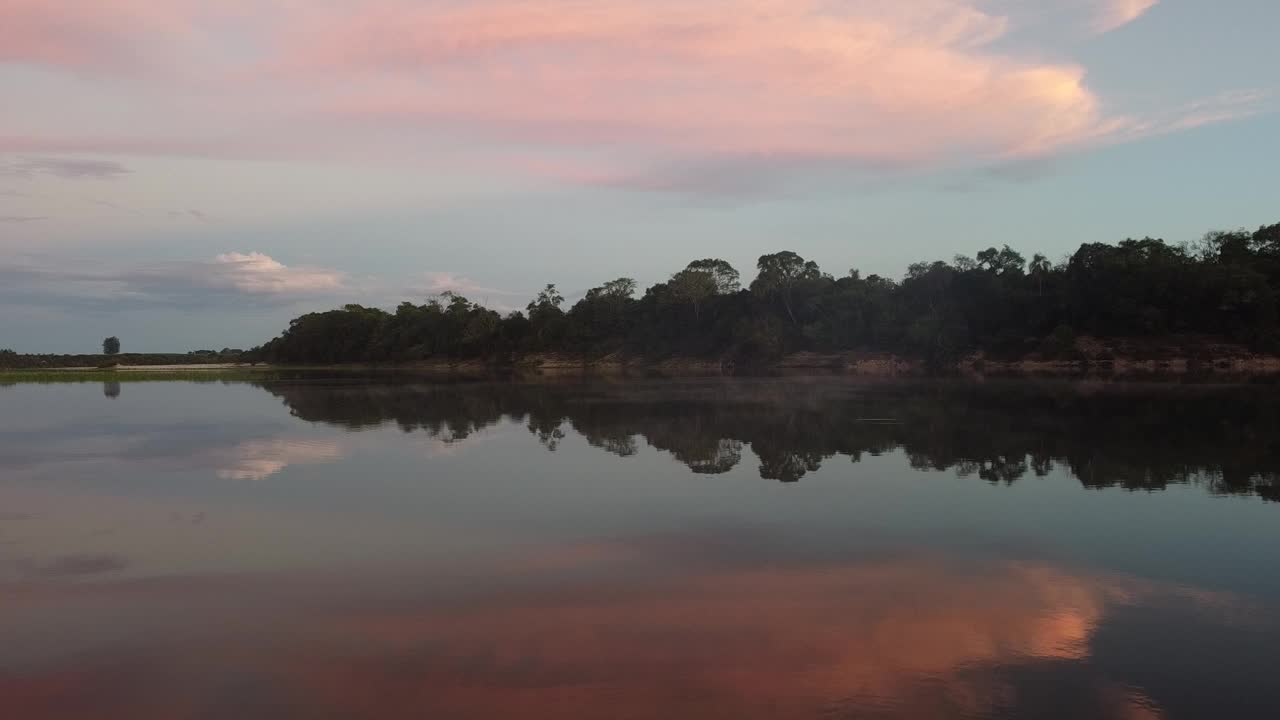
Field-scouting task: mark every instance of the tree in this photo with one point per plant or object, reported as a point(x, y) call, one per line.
point(692, 287)
point(701, 280)
point(1040, 268)
point(779, 274)
point(1267, 240)
point(722, 274)
point(598, 322)
point(995, 303)
point(620, 289)
point(545, 314)
point(111, 346)
point(1001, 261)
point(549, 299)
point(1228, 247)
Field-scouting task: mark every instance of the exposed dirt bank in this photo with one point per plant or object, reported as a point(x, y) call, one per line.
point(1088, 356)
point(1181, 355)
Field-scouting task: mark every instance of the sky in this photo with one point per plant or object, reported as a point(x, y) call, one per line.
point(189, 174)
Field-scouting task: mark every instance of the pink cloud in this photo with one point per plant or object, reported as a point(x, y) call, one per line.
point(877, 82)
point(82, 35)
point(643, 85)
point(1113, 14)
point(438, 283)
point(442, 282)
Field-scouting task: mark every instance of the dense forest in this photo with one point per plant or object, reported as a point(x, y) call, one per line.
point(1225, 286)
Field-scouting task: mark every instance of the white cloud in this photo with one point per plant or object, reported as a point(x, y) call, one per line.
point(258, 274)
point(260, 459)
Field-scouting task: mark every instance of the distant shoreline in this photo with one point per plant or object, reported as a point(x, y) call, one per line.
point(135, 368)
point(1104, 363)
point(134, 373)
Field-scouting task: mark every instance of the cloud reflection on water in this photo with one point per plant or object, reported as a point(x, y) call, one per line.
point(619, 629)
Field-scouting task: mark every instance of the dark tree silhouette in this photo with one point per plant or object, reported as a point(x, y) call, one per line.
point(111, 346)
point(1224, 290)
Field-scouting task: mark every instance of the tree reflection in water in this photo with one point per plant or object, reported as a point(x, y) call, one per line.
point(1225, 439)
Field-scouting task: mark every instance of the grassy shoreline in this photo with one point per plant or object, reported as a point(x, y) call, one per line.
point(133, 374)
point(1125, 364)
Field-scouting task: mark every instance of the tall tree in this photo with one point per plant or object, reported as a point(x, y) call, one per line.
point(722, 274)
point(549, 299)
point(1001, 261)
point(620, 289)
point(1040, 268)
point(779, 274)
point(545, 314)
point(111, 346)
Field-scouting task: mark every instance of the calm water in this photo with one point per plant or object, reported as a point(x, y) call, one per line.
point(639, 550)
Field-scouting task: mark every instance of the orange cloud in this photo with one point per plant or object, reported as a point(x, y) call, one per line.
point(583, 632)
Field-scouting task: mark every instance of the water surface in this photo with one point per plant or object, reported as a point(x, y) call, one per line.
point(769, 548)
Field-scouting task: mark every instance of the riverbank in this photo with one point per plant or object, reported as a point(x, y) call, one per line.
point(1173, 356)
point(1086, 357)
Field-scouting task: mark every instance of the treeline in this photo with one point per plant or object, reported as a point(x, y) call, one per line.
point(15, 360)
point(998, 301)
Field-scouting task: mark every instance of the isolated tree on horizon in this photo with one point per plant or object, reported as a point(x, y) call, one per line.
point(111, 346)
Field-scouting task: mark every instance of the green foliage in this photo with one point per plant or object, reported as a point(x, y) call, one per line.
point(996, 301)
point(111, 346)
